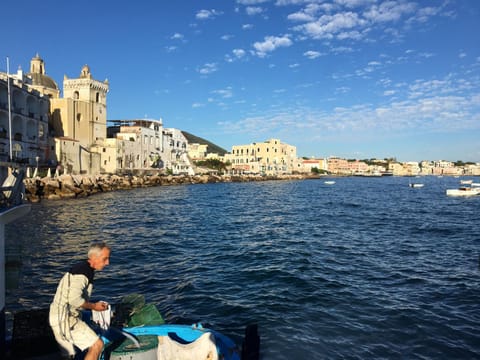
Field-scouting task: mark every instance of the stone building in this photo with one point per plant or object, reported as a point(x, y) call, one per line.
point(81, 117)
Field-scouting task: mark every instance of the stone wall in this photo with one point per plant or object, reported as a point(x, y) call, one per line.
point(74, 186)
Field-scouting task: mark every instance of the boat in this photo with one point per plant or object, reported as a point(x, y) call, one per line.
point(464, 191)
point(138, 332)
point(168, 341)
point(416, 185)
point(466, 182)
point(329, 182)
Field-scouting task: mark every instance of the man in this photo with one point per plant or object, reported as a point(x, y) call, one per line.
point(71, 297)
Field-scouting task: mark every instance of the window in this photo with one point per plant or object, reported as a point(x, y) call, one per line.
point(41, 131)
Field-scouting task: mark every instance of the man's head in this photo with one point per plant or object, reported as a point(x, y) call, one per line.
point(99, 255)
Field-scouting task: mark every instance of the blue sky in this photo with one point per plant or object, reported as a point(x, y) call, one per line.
point(350, 78)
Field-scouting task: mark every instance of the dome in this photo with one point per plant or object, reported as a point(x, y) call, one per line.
point(38, 76)
point(42, 80)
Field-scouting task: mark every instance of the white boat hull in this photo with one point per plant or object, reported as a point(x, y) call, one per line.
point(467, 191)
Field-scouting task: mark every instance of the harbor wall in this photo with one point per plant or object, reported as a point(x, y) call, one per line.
point(74, 186)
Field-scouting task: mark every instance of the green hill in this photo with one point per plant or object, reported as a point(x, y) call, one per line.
point(212, 148)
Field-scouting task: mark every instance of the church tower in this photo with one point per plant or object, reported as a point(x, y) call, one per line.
point(86, 121)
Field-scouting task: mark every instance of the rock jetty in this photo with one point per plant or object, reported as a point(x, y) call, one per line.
point(75, 186)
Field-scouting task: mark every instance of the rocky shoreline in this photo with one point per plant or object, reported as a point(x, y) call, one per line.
point(77, 186)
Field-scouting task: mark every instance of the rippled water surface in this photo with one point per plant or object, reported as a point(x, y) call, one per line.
point(364, 268)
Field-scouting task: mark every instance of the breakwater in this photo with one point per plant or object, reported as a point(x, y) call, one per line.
point(73, 186)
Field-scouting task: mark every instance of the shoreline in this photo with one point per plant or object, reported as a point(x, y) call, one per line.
point(78, 186)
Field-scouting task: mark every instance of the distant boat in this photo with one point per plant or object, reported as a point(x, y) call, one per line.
point(466, 182)
point(415, 185)
point(464, 191)
point(329, 182)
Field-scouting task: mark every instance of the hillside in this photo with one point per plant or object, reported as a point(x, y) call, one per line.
point(212, 148)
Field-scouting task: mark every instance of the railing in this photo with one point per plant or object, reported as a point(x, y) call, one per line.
point(13, 190)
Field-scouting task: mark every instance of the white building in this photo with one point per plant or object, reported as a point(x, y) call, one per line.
point(144, 144)
point(23, 129)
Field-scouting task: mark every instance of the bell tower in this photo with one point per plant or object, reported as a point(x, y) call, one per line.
point(87, 117)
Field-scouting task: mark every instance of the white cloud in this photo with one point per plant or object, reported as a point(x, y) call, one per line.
point(239, 53)
point(208, 68)
point(270, 44)
point(224, 93)
point(312, 54)
point(176, 36)
point(389, 11)
point(207, 14)
point(329, 26)
point(253, 10)
point(251, 2)
point(247, 26)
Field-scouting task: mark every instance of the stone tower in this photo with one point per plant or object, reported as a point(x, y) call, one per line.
point(87, 116)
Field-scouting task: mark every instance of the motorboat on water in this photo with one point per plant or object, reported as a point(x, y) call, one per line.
point(329, 182)
point(416, 185)
point(464, 191)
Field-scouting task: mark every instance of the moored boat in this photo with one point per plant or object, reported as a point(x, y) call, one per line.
point(464, 191)
point(169, 341)
point(415, 185)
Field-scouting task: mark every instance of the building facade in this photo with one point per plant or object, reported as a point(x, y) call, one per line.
point(24, 115)
point(144, 144)
point(271, 157)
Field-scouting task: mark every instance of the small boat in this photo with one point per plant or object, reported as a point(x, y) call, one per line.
point(138, 332)
point(466, 182)
point(329, 182)
point(464, 191)
point(168, 342)
point(415, 185)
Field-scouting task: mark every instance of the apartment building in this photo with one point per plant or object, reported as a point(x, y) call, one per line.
point(24, 114)
point(271, 157)
point(144, 144)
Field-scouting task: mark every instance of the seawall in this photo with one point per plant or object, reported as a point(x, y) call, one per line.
point(75, 186)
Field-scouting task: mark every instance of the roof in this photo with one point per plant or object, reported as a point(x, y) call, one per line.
point(42, 80)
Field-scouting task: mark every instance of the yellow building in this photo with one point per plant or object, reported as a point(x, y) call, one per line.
point(268, 158)
point(82, 112)
point(81, 116)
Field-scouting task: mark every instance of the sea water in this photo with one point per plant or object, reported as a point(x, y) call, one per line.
point(363, 268)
